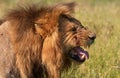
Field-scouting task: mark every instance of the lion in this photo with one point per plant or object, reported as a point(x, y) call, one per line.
point(42, 41)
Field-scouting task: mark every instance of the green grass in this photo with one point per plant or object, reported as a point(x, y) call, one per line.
point(103, 17)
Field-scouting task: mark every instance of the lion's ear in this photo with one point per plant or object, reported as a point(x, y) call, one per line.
point(66, 8)
point(39, 30)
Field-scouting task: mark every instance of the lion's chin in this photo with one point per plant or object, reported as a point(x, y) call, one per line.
point(78, 54)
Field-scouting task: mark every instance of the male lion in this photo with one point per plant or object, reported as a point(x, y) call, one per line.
point(38, 42)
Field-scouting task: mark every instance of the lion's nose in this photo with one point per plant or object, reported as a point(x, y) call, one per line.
point(92, 36)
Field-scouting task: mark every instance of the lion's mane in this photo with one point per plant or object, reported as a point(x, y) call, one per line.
point(35, 40)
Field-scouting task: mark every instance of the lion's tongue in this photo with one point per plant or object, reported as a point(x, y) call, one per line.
point(79, 54)
point(82, 53)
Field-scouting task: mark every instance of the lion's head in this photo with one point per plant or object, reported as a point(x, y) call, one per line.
point(75, 36)
point(65, 30)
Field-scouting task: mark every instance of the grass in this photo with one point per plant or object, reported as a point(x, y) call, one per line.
point(103, 17)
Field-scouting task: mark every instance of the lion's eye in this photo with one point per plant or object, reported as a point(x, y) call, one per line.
point(73, 29)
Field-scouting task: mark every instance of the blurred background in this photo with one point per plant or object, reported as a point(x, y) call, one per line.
point(101, 16)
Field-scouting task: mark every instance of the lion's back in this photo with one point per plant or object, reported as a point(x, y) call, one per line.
point(6, 52)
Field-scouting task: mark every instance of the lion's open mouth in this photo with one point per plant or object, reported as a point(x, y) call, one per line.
point(78, 54)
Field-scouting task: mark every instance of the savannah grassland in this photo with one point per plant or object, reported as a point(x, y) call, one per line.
point(103, 17)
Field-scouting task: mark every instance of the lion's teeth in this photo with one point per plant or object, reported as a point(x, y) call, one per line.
point(83, 56)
